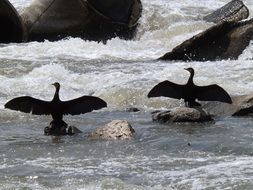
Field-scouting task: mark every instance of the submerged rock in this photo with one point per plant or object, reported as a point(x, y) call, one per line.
point(115, 130)
point(182, 114)
point(72, 130)
point(132, 109)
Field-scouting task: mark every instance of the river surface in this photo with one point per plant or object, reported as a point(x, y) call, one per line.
point(122, 73)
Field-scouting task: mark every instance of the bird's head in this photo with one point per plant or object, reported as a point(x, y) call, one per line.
point(57, 85)
point(191, 70)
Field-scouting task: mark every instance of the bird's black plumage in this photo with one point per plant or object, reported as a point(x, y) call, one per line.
point(190, 92)
point(56, 107)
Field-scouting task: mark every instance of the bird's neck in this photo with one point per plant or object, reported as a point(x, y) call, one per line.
point(56, 94)
point(190, 80)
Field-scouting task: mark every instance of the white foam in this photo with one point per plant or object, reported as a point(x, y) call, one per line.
point(125, 84)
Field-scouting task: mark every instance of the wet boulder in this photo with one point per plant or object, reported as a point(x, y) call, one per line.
point(226, 40)
point(182, 114)
point(89, 19)
point(12, 27)
point(115, 130)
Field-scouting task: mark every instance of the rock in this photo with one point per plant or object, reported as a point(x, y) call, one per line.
point(12, 27)
point(242, 105)
point(60, 129)
point(182, 114)
point(233, 11)
point(219, 108)
point(132, 109)
point(49, 130)
point(226, 40)
point(56, 19)
point(117, 129)
point(72, 130)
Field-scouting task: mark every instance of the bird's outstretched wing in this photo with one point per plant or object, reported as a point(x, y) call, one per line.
point(167, 89)
point(83, 104)
point(212, 93)
point(28, 104)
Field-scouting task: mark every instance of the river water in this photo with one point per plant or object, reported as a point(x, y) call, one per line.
point(122, 73)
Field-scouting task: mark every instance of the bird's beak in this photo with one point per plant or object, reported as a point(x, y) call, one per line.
point(186, 69)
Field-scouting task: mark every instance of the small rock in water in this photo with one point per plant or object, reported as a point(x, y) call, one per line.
point(244, 106)
point(72, 130)
point(132, 109)
point(59, 131)
point(182, 114)
point(116, 129)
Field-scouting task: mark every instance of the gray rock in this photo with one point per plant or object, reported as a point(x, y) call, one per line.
point(242, 106)
point(226, 40)
point(115, 130)
point(89, 19)
point(72, 130)
point(56, 19)
point(132, 109)
point(219, 109)
point(233, 11)
point(182, 114)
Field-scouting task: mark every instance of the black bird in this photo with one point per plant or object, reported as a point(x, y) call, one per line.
point(190, 92)
point(56, 108)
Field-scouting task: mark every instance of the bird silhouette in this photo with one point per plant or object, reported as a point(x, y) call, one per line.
point(56, 108)
point(190, 92)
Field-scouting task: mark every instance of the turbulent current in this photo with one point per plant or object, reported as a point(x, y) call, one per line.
point(122, 73)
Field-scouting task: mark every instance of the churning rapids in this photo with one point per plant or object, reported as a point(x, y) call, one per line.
point(122, 73)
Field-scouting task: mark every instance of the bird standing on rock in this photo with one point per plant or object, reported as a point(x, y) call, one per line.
point(56, 108)
point(190, 92)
